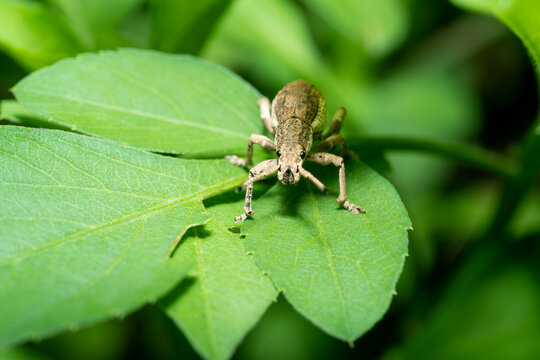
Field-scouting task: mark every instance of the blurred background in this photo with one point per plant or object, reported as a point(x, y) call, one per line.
point(408, 72)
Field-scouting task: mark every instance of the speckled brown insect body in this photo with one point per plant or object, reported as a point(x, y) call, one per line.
point(297, 119)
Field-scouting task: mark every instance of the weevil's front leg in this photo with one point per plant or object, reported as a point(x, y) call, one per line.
point(264, 106)
point(314, 180)
point(260, 170)
point(327, 159)
point(262, 140)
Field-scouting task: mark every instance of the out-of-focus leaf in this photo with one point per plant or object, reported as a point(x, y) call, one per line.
point(490, 310)
point(95, 21)
point(228, 293)
point(377, 26)
point(337, 269)
point(86, 227)
point(521, 16)
point(159, 102)
point(268, 34)
point(183, 25)
point(34, 35)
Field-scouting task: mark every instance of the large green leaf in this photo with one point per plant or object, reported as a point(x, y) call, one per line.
point(86, 226)
point(521, 16)
point(183, 25)
point(34, 35)
point(337, 269)
point(228, 294)
point(160, 102)
point(95, 21)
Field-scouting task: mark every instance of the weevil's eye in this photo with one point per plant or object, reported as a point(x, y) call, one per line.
point(278, 153)
point(302, 154)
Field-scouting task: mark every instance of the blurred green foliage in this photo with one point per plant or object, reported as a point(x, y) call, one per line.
point(413, 69)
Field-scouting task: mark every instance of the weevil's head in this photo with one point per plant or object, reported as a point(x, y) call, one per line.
point(290, 157)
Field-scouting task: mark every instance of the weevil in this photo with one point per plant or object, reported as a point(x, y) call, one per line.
point(297, 118)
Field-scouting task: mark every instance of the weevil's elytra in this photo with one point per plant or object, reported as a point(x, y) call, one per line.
point(297, 119)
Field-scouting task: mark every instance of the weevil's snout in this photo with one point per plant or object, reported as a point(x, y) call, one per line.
point(290, 162)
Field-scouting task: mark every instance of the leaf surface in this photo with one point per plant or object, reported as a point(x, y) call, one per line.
point(159, 102)
point(337, 269)
point(86, 226)
point(228, 292)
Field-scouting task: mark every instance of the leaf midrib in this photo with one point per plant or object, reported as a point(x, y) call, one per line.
point(138, 113)
point(199, 196)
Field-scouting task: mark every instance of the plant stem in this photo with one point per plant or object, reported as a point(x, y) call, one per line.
point(463, 153)
point(516, 187)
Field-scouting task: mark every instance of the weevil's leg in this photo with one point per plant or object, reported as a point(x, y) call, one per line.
point(327, 159)
point(314, 180)
point(262, 140)
point(264, 105)
point(260, 170)
point(333, 141)
point(337, 121)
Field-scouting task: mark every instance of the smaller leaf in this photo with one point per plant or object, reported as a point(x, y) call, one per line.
point(34, 35)
point(337, 269)
point(228, 293)
point(159, 102)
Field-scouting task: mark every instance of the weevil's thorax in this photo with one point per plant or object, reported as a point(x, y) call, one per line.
point(299, 110)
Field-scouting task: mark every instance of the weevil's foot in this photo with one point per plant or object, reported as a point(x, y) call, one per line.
point(353, 208)
point(325, 191)
point(243, 216)
point(235, 160)
point(240, 218)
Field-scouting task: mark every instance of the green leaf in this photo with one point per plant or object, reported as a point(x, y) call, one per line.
point(95, 21)
point(159, 102)
point(337, 269)
point(181, 25)
point(86, 227)
point(521, 16)
point(378, 26)
point(34, 35)
point(228, 293)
